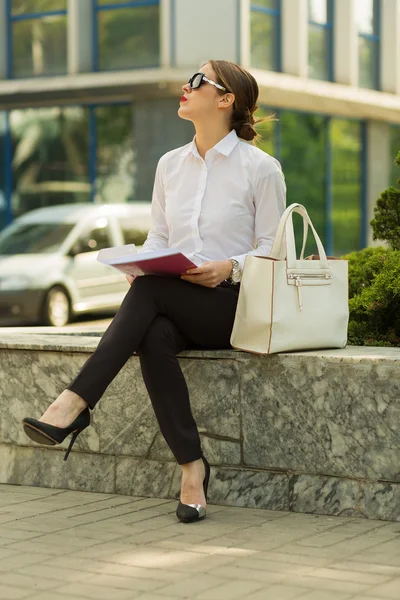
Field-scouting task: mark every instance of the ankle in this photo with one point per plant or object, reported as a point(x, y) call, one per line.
point(193, 470)
point(72, 399)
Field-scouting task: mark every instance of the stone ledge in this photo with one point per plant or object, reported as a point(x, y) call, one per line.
point(309, 431)
point(84, 341)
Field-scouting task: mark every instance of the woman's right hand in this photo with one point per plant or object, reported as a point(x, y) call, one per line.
point(130, 279)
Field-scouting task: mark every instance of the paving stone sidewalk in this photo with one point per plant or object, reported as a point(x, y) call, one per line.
point(63, 545)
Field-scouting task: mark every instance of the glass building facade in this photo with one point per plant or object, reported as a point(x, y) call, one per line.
point(91, 153)
point(105, 149)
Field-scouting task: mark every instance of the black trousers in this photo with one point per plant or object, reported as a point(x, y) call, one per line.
point(158, 318)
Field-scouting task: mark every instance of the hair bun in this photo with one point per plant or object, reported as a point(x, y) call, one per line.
point(244, 130)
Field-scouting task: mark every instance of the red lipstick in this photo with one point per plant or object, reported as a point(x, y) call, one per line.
point(183, 99)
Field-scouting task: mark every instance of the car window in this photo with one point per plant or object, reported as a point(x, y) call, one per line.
point(31, 238)
point(95, 238)
point(131, 233)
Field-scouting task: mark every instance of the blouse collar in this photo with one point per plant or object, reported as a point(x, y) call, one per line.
point(224, 146)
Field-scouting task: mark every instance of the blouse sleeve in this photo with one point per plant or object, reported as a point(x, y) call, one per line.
point(270, 204)
point(158, 235)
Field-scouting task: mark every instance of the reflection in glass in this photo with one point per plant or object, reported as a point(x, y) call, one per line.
point(264, 41)
point(50, 158)
point(129, 38)
point(394, 150)
point(115, 180)
point(33, 238)
point(318, 11)
point(318, 53)
point(368, 42)
point(365, 16)
point(39, 46)
point(346, 186)
point(23, 7)
point(303, 160)
point(368, 63)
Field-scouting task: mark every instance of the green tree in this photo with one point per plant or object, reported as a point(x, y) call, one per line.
point(386, 224)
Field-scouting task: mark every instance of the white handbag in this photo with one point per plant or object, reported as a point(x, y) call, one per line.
point(287, 303)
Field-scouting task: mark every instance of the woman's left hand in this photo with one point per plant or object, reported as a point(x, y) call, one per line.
point(209, 274)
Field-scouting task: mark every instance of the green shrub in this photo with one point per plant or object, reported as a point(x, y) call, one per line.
point(374, 275)
point(386, 224)
point(363, 267)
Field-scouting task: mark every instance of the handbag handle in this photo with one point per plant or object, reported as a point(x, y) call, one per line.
point(285, 227)
point(278, 249)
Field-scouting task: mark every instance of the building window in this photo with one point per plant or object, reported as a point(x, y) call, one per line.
point(37, 37)
point(265, 27)
point(71, 154)
point(346, 142)
point(50, 157)
point(320, 39)
point(322, 160)
point(368, 21)
point(127, 34)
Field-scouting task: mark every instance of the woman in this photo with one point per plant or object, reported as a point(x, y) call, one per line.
point(216, 199)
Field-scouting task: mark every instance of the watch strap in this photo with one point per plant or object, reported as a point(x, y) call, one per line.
point(235, 269)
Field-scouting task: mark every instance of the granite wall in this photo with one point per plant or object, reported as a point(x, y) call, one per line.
point(315, 432)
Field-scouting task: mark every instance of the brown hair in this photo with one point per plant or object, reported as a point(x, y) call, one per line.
point(242, 84)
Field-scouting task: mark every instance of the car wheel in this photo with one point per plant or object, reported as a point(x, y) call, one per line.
point(57, 308)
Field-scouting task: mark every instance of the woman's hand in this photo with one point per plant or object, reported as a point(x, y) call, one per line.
point(130, 279)
point(209, 274)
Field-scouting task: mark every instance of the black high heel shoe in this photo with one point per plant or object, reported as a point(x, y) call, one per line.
point(188, 513)
point(50, 435)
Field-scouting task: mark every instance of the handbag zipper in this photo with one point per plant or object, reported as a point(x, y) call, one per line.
point(299, 283)
point(310, 276)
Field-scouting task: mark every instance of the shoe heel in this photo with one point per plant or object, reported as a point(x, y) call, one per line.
point(72, 442)
point(207, 477)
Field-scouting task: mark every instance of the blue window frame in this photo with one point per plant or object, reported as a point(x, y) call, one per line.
point(265, 34)
point(51, 47)
point(5, 170)
point(369, 43)
point(126, 35)
point(320, 39)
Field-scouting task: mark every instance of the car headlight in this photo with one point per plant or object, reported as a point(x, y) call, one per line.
point(14, 283)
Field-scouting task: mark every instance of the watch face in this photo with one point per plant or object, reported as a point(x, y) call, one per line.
point(236, 276)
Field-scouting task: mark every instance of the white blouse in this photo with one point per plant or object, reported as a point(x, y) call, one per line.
point(226, 206)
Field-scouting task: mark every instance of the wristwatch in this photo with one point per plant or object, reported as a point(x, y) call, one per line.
point(236, 274)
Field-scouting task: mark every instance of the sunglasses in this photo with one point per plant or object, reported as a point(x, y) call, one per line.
point(199, 78)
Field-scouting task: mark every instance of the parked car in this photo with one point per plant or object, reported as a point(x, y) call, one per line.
point(48, 267)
